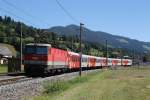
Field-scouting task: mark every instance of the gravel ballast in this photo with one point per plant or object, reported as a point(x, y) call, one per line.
point(21, 90)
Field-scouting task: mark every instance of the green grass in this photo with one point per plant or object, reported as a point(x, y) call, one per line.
point(60, 86)
point(127, 84)
point(3, 68)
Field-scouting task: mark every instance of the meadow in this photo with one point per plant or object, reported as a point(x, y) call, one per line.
point(122, 84)
point(3, 68)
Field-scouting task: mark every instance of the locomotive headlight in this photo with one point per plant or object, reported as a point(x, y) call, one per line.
point(35, 58)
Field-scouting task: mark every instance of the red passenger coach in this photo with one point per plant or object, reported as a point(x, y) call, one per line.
point(91, 61)
point(73, 60)
point(103, 61)
point(126, 62)
point(115, 62)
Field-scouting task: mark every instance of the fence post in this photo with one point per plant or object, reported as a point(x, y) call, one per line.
point(14, 65)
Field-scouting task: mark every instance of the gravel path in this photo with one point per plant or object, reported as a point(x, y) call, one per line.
point(21, 90)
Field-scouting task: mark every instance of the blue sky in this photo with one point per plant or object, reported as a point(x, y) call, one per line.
point(130, 18)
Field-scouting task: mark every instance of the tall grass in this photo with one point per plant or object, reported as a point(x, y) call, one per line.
point(3, 68)
point(60, 86)
point(54, 87)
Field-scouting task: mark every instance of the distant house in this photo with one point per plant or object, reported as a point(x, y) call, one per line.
point(5, 53)
point(3, 61)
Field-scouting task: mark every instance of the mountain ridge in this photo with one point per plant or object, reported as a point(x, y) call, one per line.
point(114, 41)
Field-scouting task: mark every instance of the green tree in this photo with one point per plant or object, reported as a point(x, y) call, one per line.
point(7, 20)
point(1, 19)
point(145, 58)
point(2, 37)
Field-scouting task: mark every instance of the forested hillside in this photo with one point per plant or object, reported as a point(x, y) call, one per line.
point(10, 34)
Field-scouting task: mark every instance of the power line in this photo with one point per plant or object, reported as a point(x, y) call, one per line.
point(67, 13)
point(4, 10)
point(33, 17)
point(23, 11)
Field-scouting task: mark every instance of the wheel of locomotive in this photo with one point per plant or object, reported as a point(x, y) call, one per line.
point(27, 71)
point(46, 72)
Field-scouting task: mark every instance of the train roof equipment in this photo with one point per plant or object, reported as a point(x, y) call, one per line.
point(39, 44)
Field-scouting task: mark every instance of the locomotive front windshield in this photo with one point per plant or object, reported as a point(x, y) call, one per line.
point(36, 50)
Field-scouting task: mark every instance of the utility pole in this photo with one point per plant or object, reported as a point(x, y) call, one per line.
point(72, 42)
point(133, 57)
point(106, 53)
point(121, 57)
point(20, 45)
point(80, 70)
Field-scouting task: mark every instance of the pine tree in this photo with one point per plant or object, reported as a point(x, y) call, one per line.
point(1, 19)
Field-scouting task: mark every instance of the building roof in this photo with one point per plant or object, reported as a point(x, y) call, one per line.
point(4, 51)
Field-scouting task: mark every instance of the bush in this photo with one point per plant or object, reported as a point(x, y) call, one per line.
point(59, 86)
point(56, 86)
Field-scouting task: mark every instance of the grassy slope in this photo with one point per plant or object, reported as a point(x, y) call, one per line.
point(3, 68)
point(10, 47)
point(131, 84)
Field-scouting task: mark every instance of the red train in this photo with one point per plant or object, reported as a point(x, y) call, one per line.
point(42, 58)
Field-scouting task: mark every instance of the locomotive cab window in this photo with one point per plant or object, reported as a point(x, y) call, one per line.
point(36, 50)
point(30, 50)
point(41, 50)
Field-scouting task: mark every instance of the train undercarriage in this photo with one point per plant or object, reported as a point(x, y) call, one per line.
point(43, 70)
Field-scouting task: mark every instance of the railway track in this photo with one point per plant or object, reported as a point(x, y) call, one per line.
point(12, 74)
point(11, 80)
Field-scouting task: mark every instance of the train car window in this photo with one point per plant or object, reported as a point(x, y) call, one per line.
point(109, 61)
point(73, 59)
point(83, 59)
point(86, 59)
point(97, 60)
point(119, 61)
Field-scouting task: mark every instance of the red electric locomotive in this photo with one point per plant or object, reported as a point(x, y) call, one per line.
point(41, 58)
